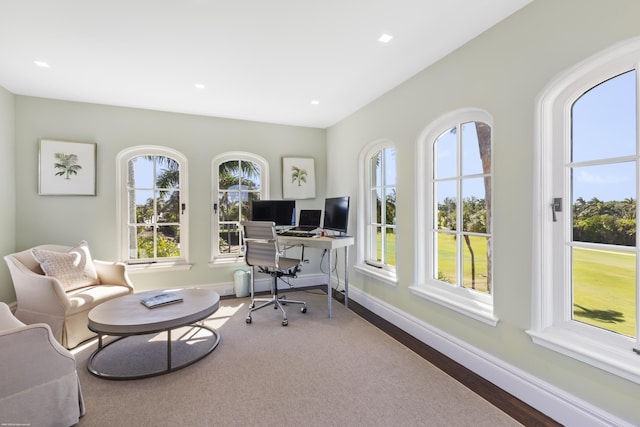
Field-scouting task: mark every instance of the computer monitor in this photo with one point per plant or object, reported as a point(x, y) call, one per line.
point(282, 212)
point(336, 214)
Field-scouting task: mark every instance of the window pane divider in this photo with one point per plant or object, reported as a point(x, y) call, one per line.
point(612, 160)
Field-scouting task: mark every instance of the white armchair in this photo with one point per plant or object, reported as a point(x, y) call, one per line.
point(46, 299)
point(40, 385)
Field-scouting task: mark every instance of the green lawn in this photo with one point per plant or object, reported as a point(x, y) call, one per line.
point(390, 249)
point(447, 261)
point(604, 289)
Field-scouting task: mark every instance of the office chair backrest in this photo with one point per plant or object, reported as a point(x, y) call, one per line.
point(261, 244)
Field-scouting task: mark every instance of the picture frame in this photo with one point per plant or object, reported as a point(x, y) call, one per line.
point(66, 168)
point(298, 178)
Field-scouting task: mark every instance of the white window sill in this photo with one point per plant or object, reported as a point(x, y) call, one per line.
point(227, 262)
point(620, 360)
point(454, 300)
point(152, 267)
point(385, 276)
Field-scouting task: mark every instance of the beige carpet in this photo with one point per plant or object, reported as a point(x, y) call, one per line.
point(315, 372)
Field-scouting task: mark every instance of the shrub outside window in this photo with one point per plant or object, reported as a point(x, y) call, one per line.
point(153, 206)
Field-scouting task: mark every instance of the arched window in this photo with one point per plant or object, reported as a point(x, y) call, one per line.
point(586, 282)
point(153, 207)
point(454, 249)
point(238, 178)
point(377, 211)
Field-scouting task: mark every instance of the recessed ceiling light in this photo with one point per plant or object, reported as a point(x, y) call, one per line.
point(199, 86)
point(385, 38)
point(41, 64)
point(315, 102)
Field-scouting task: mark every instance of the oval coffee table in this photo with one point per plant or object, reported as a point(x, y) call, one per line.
point(126, 316)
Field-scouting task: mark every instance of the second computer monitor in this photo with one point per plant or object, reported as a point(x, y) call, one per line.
point(336, 214)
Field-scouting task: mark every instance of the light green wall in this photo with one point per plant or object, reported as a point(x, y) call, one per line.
point(502, 71)
point(68, 219)
point(7, 190)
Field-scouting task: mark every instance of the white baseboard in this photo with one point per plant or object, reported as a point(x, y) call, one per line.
point(263, 283)
point(563, 407)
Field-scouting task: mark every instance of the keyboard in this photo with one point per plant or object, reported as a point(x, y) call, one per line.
point(295, 234)
point(302, 229)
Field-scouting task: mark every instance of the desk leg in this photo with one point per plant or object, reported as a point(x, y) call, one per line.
point(346, 276)
point(329, 296)
point(168, 350)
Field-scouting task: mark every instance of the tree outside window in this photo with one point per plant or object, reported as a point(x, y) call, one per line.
point(238, 178)
point(461, 233)
point(454, 256)
point(154, 207)
point(239, 181)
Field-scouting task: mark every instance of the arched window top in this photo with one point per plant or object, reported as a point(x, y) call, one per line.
point(142, 150)
point(445, 122)
point(240, 155)
point(558, 96)
point(375, 146)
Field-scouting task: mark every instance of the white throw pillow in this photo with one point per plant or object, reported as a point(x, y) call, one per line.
point(74, 269)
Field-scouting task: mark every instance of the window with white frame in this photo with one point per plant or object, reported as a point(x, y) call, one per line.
point(586, 284)
point(153, 206)
point(377, 222)
point(238, 178)
point(454, 240)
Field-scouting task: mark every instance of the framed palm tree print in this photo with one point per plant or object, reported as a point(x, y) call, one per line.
point(298, 178)
point(67, 168)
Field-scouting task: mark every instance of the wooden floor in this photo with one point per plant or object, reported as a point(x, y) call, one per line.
point(509, 404)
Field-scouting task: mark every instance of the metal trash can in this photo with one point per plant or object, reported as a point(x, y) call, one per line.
point(241, 279)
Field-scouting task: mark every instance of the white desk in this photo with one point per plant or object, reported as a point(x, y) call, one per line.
point(328, 243)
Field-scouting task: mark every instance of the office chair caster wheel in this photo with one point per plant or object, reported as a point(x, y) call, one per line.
point(303, 309)
point(252, 305)
point(285, 322)
point(248, 319)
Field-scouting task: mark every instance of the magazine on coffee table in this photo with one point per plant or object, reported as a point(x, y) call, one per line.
point(160, 300)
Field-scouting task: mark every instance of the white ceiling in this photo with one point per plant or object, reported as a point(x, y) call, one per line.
point(262, 60)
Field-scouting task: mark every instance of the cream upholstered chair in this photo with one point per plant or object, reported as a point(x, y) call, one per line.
point(40, 385)
point(63, 296)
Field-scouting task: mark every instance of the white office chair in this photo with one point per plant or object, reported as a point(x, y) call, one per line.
point(261, 250)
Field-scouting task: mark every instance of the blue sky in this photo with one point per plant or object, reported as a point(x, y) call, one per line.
point(604, 126)
point(471, 164)
point(143, 175)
